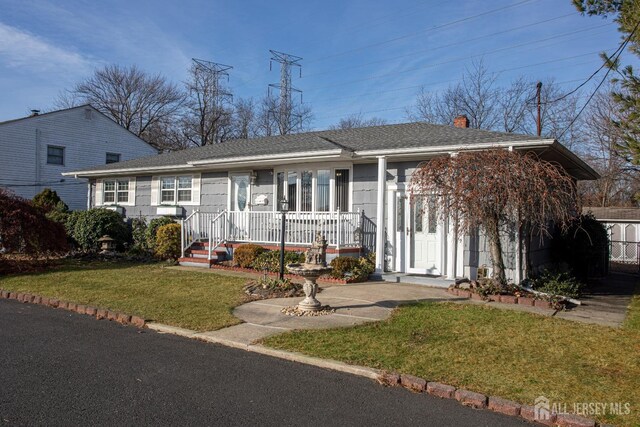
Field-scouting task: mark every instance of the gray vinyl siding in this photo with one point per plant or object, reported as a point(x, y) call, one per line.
point(86, 138)
point(365, 189)
point(213, 192)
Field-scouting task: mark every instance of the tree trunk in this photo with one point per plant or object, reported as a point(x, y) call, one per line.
point(492, 228)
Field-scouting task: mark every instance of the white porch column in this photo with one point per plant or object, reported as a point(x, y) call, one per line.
point(380, 235)
point(452, 249)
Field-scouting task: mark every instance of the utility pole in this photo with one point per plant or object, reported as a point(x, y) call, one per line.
point(284, 113)
point(539, 123)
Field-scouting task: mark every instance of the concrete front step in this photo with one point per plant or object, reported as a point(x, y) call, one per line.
point(196, 262)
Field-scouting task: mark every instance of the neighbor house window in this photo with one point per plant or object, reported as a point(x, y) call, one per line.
point(113, 157)
point(55, 155)
point(116, 191)
point(309, 190)
point(176, 189)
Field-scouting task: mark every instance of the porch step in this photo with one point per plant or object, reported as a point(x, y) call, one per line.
point(218, 255)
point(433, 281)
point(196, 262)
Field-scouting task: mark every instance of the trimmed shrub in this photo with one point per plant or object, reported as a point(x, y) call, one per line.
point(152, 229)
point(59, 213)
point(270, 260)
point(48, 199)
point(344, 267)
point(25, 228)
point(86, 227)
point(245, 255)
point(554, 283)
point(168, 241)
point(139, 235)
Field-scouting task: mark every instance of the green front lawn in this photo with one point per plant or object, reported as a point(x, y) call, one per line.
point(632, 321)
point(510, 354)
point(188, 299)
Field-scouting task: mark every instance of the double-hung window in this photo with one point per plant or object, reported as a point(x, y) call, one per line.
point(55, 155)
point(115, 191)
point(176, 189)
point(320, 190)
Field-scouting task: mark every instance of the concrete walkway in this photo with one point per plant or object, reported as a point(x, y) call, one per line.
point(354, 304)
point(607, 301)
point(359, 303)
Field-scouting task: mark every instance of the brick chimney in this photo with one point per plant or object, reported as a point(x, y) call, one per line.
point(461, 122)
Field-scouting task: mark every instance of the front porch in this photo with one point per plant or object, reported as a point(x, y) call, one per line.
point(207, 237)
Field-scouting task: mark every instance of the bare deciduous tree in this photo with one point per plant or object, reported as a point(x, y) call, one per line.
point(491, 188)
point(513, 106)
point(476, 96)
point(131, 97)
point(357, 121)
point(244, 118)
point(619, 184)
point(269, 121)
point(207, 119)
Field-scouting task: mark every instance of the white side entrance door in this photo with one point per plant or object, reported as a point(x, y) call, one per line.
point(423, 240)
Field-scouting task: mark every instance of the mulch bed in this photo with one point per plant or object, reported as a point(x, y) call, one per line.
point(23, 264)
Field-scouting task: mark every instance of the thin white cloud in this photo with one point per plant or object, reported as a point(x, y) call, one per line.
point(21, 49)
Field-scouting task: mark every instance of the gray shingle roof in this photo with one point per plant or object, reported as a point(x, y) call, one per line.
point(406, 135)
point(614, 213)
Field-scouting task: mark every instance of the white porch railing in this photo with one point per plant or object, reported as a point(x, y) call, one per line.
point(341, 229)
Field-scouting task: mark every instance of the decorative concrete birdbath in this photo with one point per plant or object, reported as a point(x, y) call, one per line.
point(315, 265)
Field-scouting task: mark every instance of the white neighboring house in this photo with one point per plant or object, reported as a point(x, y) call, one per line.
point(36, 150)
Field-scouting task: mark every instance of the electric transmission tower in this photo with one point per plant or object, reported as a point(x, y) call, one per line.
point(213, 73)
point(212, 99)
point(284, 112)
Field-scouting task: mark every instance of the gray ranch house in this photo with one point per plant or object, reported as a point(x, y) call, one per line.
point(351, 185)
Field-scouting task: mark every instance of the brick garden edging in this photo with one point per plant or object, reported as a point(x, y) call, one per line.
point(480, 401)
point(98, 313)
point(505, 299)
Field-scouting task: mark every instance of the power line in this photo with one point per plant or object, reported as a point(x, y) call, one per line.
point(457, 59)
point(433, 28)
point(612, 61)
point(461, 42)
point(618, 51)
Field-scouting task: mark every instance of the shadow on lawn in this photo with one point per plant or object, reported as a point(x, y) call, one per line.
point(22, 266)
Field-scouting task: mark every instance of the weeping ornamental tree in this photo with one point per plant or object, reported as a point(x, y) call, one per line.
point(494, 188)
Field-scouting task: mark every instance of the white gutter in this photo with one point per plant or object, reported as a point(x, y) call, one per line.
point(77, 174)
point(459, 147)
point(307, 155)
point(230, 161)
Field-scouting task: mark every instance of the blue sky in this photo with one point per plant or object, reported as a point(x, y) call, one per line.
point(368, 57)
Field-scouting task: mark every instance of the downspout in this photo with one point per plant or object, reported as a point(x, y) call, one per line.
point(37, 162)
point(89, 191)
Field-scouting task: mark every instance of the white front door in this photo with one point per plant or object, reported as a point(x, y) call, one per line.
point(423, 239)
point(240, 205)
point(240, 192)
